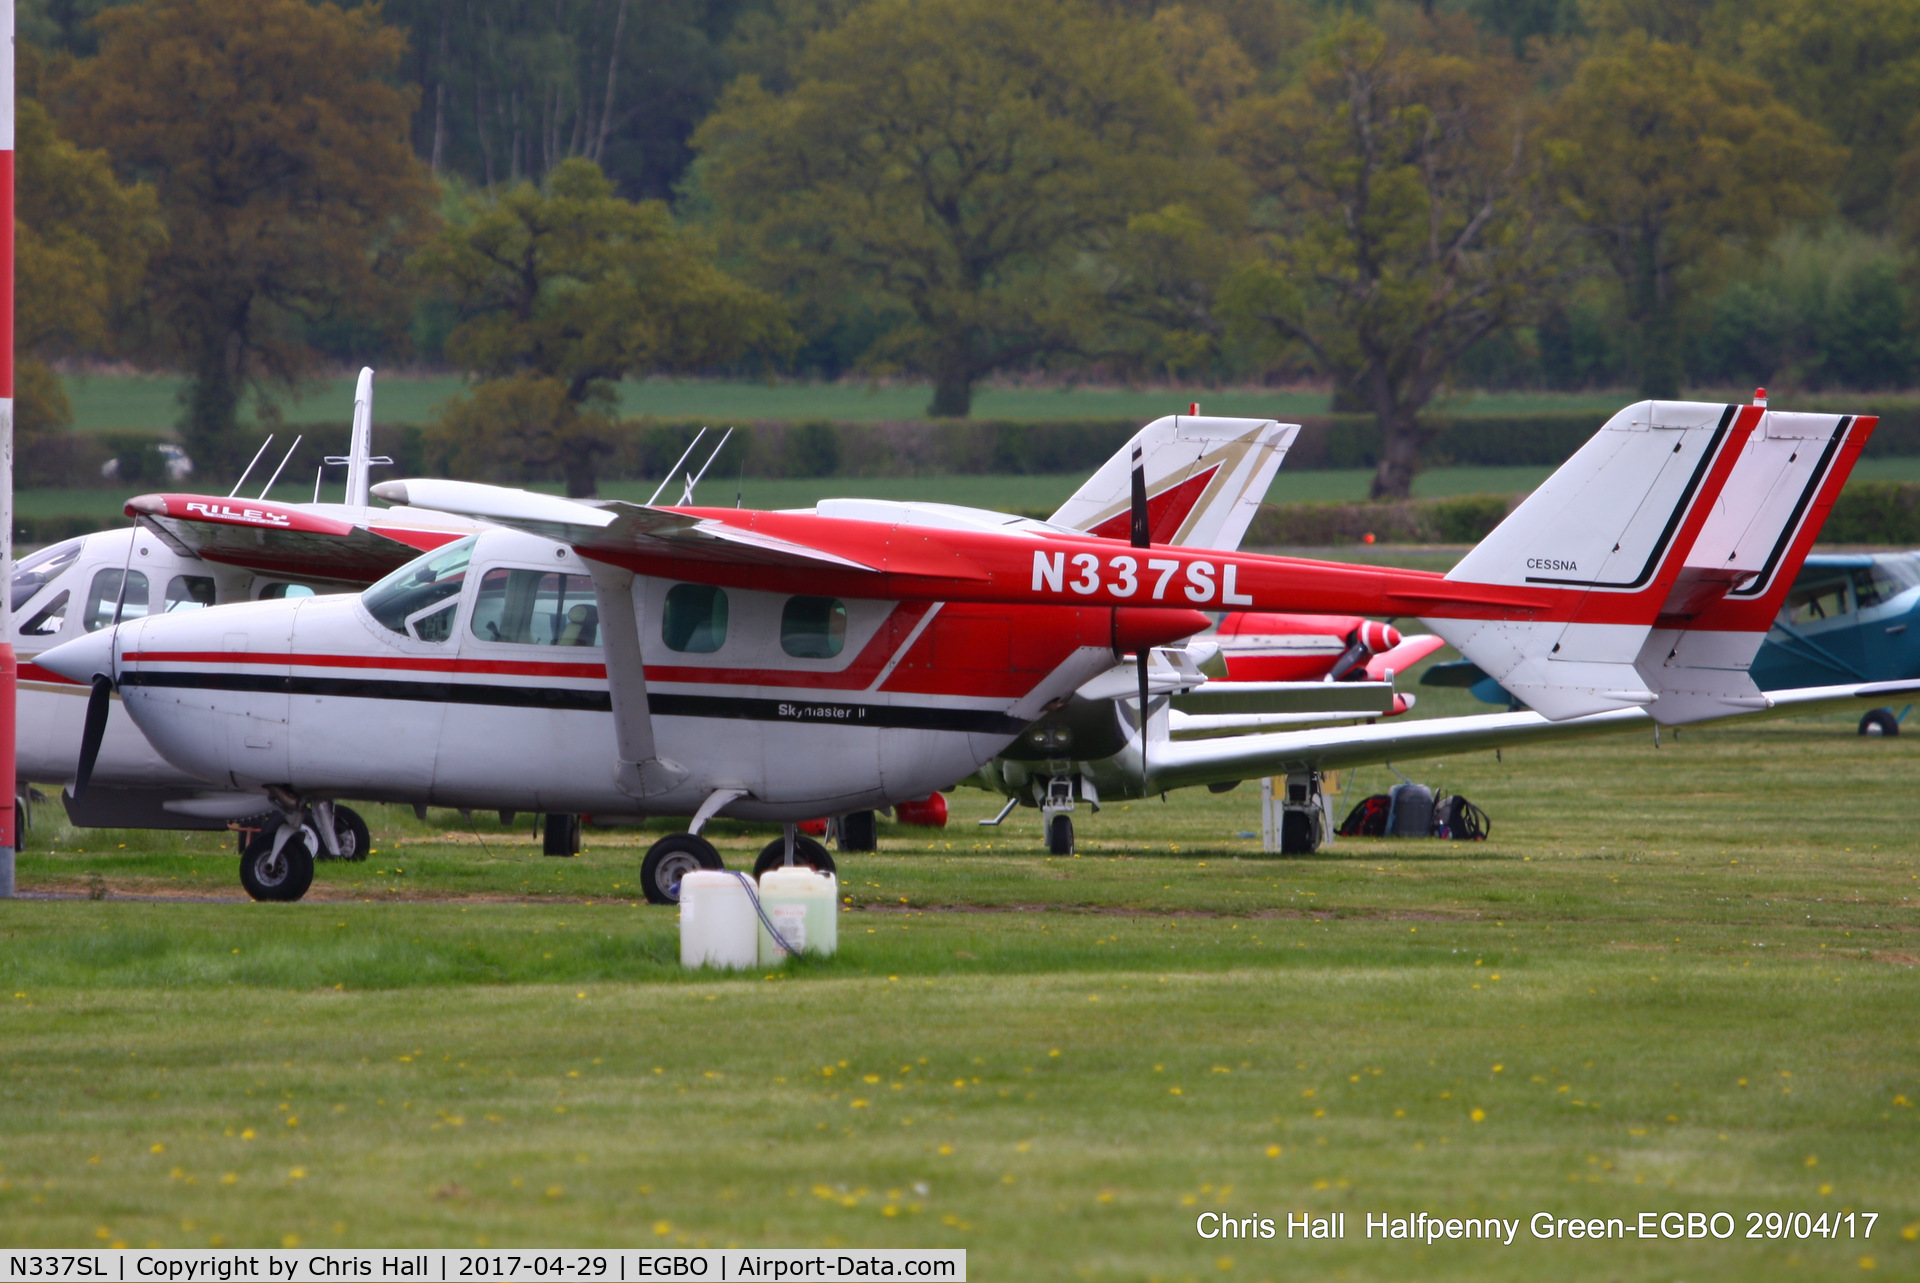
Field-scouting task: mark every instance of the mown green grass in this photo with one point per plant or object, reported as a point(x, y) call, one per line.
point(1676, 978)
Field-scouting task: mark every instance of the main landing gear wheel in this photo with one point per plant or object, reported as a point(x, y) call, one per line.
point(1298, 835)
point(859, 831)
point(1880, 721)
point(669, 860)
point(1060, 835)
point(806, 852)
point(285, 876)
point(350, 833)
point(560, 835)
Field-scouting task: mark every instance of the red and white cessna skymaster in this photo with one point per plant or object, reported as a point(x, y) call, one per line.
point(631, 660)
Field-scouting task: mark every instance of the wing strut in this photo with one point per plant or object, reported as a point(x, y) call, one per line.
point(641, 773)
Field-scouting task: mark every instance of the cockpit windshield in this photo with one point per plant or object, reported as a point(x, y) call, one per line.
point(41, 569)
point(409, 601)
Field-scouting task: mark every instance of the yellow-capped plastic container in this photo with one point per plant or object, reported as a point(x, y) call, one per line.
point(717, 922)
point(805, 906)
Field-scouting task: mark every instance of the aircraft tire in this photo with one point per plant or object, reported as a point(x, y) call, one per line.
point(859, 831)
point(669, 860)
point(1297, 835)
point(560, 835)
point(285, 879)
point(351, 832)
point(1880, 721)
point(806, 852)
point(1060, 835)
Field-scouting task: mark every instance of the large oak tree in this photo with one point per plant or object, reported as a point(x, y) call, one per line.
point(276, 139)
point(1398, 223)
point(961, 165)
point(81, 241)
point(562, 290)
point(1668, 160)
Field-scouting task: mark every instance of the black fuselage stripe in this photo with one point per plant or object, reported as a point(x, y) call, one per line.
point(1673, 518)
point(661, 704)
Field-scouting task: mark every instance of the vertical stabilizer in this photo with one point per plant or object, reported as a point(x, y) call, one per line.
point(1747, 556)
point(360, 444)
point(1610, 531)
point(1205, 478)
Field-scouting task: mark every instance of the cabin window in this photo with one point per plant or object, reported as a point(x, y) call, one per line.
point(48, 621)
point(1877, 583)
point(695, 620)
point(813, 627)
point(536, 608)
point(103, 599)
point(189, 592)
point(408, 600)
point(1816, 602)
point(40, 569)
point(282, 592)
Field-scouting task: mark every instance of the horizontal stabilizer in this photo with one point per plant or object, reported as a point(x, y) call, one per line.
point(1183, 763)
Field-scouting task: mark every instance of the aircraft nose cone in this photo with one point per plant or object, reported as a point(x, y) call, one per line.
point(81, 659)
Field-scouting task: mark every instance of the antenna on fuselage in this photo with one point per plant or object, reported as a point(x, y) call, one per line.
point(283, 464)
point(359, 457)
point(686, 496)
point(676, 466)
point(256, 458)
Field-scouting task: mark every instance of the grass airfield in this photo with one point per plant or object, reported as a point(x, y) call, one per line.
point(1677, 979)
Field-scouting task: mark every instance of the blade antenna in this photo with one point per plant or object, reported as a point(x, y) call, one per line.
point(687, 497)
point(256, 458)
point(283, 464)
point(318, 474)
point(676, 466)
point(1141, 536)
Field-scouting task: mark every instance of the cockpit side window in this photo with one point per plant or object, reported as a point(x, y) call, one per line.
point(536, 608)
point(1815, 602)
point(189, 592)
point(408, 601)
point(47, 620)
point(40, 569)
point(104, 605)
point(1877, 583)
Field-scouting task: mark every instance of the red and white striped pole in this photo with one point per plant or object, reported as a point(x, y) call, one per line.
point(9, 817)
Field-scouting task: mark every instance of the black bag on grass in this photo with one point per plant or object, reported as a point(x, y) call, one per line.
point(1455, 817)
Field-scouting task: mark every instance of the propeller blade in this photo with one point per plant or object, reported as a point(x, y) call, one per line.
point(1141, 663)
point(1142, 536)
point(99, 704)
point(1142, 533)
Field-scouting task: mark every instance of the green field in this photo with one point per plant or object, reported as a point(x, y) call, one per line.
point(151, 402)
point(1678, 978)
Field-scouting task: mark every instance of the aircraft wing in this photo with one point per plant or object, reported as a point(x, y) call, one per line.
point(1182, 764)
point(301, 541)
point(613, 525)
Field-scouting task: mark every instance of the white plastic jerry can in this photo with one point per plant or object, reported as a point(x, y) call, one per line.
point(717, 922)
point(804, 907)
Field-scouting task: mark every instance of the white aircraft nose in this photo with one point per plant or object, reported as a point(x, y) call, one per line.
point(81, 659)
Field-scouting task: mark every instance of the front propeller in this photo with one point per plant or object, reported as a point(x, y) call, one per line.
point(1141, 537)
point(99, 704)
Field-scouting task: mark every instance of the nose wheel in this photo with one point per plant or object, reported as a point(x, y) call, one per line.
point(276, 869)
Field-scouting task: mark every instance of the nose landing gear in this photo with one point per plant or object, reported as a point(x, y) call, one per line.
point(277, 857)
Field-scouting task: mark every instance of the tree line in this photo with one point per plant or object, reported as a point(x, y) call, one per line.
point(1398, 198)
